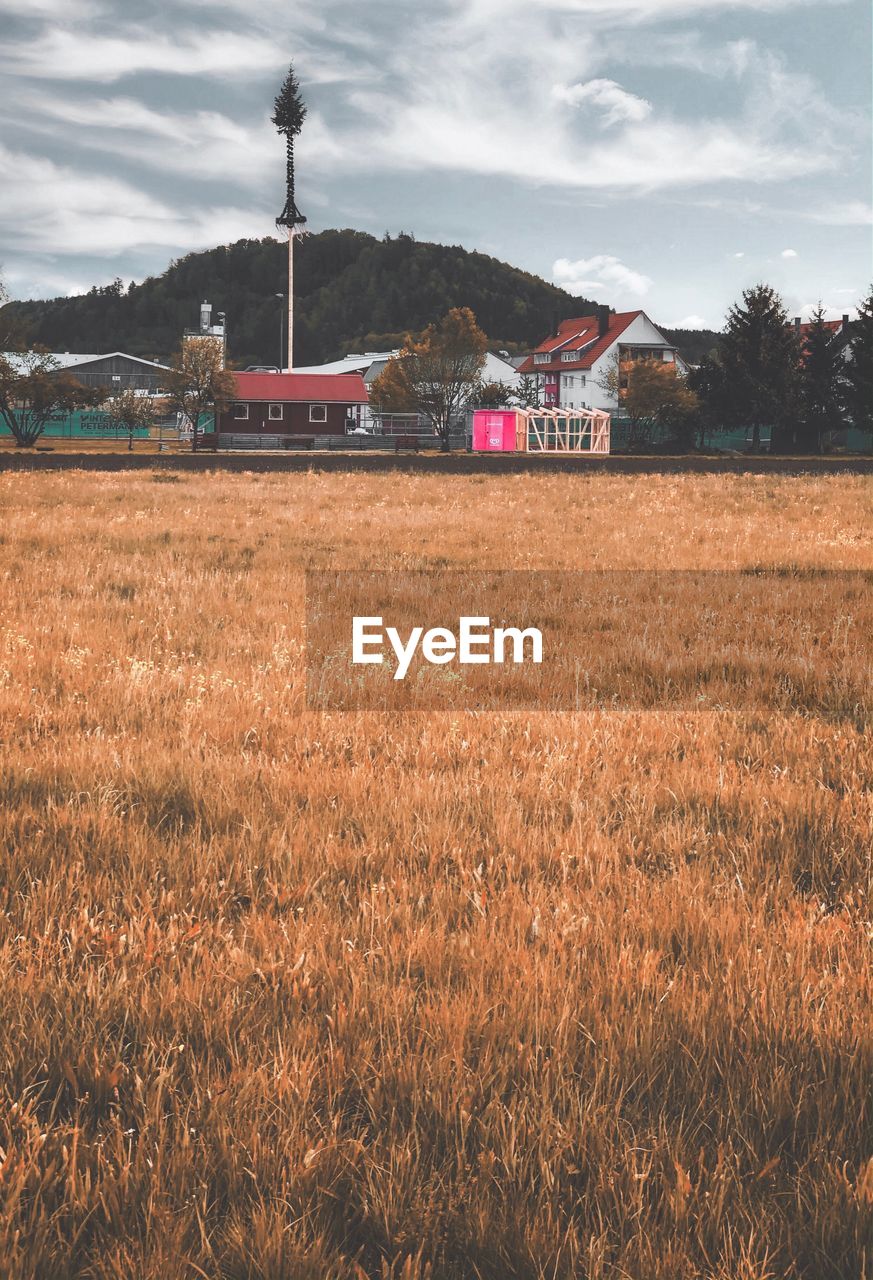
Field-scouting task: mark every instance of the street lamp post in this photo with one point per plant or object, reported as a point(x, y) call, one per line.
point(281, 333)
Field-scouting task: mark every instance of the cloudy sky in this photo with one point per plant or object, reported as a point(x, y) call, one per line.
point(653, 153)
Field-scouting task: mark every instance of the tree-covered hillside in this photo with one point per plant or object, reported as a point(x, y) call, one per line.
point(353, 292)
point(694, 344)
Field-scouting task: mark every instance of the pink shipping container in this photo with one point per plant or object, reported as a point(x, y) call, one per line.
point(494, 430)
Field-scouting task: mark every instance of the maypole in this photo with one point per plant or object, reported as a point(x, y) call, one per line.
point(288, 117)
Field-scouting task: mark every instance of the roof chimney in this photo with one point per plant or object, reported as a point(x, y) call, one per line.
point(797, 322)
point(603, 321)
point(845, 320)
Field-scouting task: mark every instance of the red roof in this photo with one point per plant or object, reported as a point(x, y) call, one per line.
point(833, 326)
point(302, 388)
point(582, 332)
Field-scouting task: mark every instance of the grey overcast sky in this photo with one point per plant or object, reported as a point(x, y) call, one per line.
point(662, 154)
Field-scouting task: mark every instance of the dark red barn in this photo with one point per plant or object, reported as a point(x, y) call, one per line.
point(294, 404)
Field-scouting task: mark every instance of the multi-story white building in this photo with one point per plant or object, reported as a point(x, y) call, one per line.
point(572, 368)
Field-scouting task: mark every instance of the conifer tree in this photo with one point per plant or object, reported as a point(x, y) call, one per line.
point(820, 384)
point(759, 362)
point(859, 369)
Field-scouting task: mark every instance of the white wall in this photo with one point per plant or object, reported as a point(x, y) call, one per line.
point(498, 370)
point(640, 332)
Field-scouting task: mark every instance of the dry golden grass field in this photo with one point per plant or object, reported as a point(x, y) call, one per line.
point(288, 995)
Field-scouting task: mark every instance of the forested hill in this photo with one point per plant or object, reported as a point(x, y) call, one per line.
point(694, 344)
point(353, 292)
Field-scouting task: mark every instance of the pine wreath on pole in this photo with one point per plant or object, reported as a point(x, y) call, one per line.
point(288, 117)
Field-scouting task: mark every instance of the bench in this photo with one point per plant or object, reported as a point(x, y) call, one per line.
point(298, 442)
point(406, 442)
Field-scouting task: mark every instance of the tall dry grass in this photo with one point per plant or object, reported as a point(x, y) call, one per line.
point(291, 996)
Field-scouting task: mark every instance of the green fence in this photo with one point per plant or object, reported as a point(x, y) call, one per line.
point(89, 424)
point(733, 439)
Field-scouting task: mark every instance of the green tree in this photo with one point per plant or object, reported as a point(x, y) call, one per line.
point(758, 367)
point(821, 389)
point(859, 369)
point(527, 392)
point(12, 330)
point(198, 383)
point(710, 385)
point(33, 389)
point(491, 395)
point(132, 411)
point(437, 374)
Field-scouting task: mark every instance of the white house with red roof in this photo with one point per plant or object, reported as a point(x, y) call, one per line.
point(573, 365)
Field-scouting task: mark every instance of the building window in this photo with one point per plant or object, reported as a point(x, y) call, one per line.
point(582, 380)
point(318, 413)
point(568, 381)
point(241, 412)
point(569, 356)
point(276, 413)
point(542, 357)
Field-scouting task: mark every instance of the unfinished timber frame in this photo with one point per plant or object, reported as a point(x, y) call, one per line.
point(563, 431)
point(541, 430)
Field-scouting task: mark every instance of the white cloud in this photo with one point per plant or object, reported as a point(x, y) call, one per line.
point(617, 104)
point(690, 322)
point(103, 216)
point(485, 109)
point(848, 213)
point(65, 53)
point(202, 144)
point(640, 10)
point(490, 136)
point(65, 9)
point(806, 310)
point(601, 271)
point(739, 255)
point(52, 283)
point(788, 253)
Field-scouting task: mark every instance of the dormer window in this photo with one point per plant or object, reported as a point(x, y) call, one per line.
point(569, 356)
point(542, 357)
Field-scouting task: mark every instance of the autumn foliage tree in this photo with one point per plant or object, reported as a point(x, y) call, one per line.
point(34, 389)
point(654, 397)
point(437, 374)
point(198, 383)
point(653, 394)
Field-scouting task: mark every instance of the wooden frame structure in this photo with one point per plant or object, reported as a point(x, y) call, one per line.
point(563, 431)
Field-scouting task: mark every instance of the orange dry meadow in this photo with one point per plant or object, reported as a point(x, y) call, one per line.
point(294, 996)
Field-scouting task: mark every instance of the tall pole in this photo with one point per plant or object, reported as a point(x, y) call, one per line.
point(281, 297)
point(290, 298)
point(288, 117)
